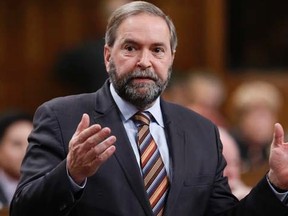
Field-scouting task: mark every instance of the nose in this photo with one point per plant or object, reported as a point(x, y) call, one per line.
point(144, 60)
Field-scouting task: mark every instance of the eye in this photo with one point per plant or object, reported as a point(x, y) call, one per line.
point(159, 51)
point(129, 48)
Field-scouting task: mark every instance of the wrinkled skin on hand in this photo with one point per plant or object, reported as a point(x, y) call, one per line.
point(89, 148)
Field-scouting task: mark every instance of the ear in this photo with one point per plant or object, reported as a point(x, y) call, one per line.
point(173, 55)
point(107, 56)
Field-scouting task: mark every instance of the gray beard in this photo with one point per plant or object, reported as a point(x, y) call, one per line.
point(131, 92)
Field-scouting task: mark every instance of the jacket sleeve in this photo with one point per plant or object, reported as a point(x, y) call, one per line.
point(44, 188)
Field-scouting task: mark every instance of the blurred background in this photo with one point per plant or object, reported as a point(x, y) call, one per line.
point(45, 46)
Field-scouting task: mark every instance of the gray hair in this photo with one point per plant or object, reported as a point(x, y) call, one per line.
point(135, 8)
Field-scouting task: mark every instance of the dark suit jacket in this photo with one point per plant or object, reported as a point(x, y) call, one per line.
point(197, 188)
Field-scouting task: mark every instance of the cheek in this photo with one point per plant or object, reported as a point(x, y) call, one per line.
point(14, 155)
point(162, 68)
point(124, 66)
point(162, 74)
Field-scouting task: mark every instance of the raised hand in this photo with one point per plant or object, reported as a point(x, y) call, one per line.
point(89, 148)
point(278, 174)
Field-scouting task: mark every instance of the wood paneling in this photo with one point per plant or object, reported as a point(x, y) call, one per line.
point(34, 32)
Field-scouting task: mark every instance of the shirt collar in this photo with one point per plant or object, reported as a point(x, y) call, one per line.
point(128, 110)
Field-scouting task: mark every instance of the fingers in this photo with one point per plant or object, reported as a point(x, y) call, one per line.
point(278, 159)
point(101, 151)
point(87, 137)
point(278, 134)
point(83, 124)
point(89, 148)
point(88, 134)
point(92, 134)
point(107, 153)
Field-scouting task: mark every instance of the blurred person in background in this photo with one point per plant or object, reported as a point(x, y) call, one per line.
point(176, 91)
point(233, 167)
point(255, 108)
point(206, 93)
point(82, 68)
point(14, 130)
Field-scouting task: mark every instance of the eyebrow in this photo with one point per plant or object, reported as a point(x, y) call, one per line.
point(133, 42)
point(129, 41)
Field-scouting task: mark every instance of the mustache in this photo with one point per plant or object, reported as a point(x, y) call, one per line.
point(148, 74)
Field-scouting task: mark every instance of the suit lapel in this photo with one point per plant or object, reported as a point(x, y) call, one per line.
point(176, 143)
point(107, 115)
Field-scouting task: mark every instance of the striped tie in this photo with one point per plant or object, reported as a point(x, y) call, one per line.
point(154, 174)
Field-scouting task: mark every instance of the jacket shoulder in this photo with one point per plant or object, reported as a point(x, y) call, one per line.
point(183, 113)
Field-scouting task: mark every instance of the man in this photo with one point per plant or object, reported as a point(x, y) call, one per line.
point(89, 164)
point(15, 126)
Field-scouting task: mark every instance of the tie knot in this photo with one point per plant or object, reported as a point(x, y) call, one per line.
point(142, 118)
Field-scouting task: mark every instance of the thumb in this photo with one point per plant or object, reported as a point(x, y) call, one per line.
point(83, 124)
point(278, 137)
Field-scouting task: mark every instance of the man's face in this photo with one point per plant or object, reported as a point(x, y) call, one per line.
point(139, 63)
point(13, 147)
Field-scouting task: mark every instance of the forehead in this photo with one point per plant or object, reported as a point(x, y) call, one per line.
point(21, 126)
point(144, 27)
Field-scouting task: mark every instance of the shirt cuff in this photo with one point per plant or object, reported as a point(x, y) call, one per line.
point(282, 196)
point(76, 187)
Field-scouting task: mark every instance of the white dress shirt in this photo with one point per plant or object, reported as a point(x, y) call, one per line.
point(156, 127)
